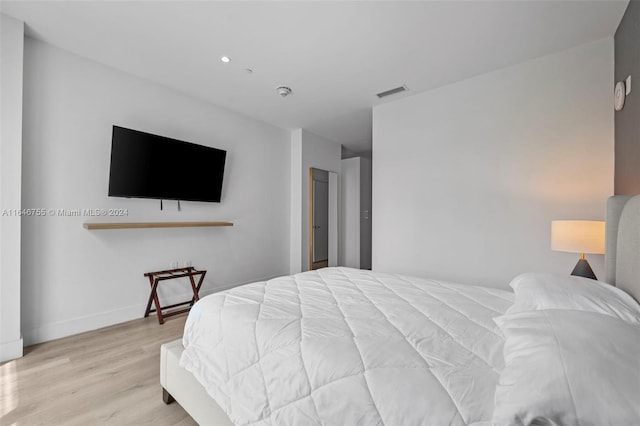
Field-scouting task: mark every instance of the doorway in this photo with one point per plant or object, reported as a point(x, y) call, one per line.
point(323, 218)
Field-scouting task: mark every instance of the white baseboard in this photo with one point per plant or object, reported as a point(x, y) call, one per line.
point(57, 330)
point(11, 350)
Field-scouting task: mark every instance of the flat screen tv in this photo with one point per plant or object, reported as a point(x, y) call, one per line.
point(150, 166)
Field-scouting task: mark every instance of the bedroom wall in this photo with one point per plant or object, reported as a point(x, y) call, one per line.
point(350, 213)
point(75, 280)
point(468, 177)
point(355, 230)
point(11, 65)
point(627, 62)
point(307, 150)
point(365, 201)
point(295, 224)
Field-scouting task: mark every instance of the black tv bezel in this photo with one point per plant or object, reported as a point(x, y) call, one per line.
point(172, 140)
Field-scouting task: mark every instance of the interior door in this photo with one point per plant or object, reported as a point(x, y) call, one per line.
point(320, 221)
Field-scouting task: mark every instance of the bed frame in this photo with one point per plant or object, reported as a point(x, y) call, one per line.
point(622, 262)
point(180, 385)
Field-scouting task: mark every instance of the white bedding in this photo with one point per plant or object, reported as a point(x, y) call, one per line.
point(341, 346)
point(568, 367)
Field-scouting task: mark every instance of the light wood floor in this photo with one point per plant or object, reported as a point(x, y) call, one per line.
point(104, 377)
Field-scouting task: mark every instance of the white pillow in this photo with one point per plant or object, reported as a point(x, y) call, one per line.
point(547, 291)
point(567, 367)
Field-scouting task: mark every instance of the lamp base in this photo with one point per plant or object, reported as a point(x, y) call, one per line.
point(583, 269)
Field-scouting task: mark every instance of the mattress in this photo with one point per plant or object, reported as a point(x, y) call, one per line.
point(343, 346)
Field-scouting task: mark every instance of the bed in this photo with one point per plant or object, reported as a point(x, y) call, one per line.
point(344, 346)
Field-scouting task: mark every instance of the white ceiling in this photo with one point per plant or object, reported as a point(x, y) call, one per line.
point(334, 55)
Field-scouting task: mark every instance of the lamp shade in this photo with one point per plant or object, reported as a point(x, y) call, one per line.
point(578, 236)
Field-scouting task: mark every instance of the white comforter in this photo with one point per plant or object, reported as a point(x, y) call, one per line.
point(342, 346)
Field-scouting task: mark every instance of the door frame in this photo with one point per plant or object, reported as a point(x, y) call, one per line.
point(312, 265)
point(334, 196)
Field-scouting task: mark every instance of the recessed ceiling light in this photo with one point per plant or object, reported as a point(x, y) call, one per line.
point(225, 59)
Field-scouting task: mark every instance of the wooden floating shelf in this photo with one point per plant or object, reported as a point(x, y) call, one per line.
point(138, 225)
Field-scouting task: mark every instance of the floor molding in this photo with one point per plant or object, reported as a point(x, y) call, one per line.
point(11, 350)
point(70, 327)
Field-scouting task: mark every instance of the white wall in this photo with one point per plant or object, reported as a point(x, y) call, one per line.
point(11, 64)
point(307, 150)
point(334, 219)
point(350, 243)
point(295, 233)
point(355, 238)
point(75, 280)
point(469, 176)
point(321, 154)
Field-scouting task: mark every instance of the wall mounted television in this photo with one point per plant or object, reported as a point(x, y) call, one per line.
point(144, 165)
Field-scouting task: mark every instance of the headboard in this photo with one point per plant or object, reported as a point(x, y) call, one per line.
point(622, 259)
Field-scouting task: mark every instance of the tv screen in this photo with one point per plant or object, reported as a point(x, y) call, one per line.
point(150, 166)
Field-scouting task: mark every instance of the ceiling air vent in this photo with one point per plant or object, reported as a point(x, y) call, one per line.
point(393, 91)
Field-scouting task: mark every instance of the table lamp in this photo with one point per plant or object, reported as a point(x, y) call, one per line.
point(578, 236)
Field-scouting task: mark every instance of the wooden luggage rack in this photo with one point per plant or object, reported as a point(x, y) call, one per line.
point(170, 274)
